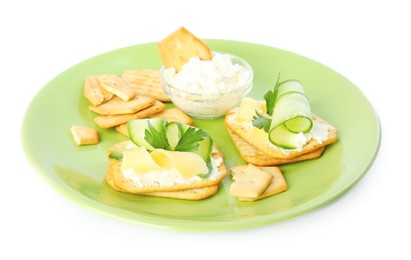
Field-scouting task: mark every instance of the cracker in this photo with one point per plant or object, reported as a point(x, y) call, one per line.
point(116, 106)
point(84, 135)
point(189, 194)
point(115, 178)
point(177, 48)
point(270, 150)
point(250, 182)
point(174, 115)
point(146, 82)
point(277, 185)
point(94, 92)
point(122, 129)
point(251, 154)
point(115, 120)
point(114, 84)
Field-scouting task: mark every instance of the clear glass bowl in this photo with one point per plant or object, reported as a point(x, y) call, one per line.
point(208, 105)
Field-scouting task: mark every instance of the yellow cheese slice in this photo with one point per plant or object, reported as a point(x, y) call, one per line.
point(139, 160)
point(248, 106)
point(187, 164)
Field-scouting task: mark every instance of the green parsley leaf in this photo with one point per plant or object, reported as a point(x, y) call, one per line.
point(269, 102)
point(264, 121)
point(271, 96)
point(189, 140)
point(156, 138)
point(261, 121)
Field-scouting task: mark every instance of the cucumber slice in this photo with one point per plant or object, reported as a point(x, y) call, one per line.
point(291, 115)
point(174, 131)
point(136, 130)
point(117, 154)
point(282, 138)
point(204, 149)
point(291, 85)
point(171, 132)
point(293, 109)
point(205, 146)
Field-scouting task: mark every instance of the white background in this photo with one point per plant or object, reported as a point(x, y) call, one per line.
point(366, 41)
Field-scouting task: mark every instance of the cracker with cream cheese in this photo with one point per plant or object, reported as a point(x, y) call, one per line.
point(188, 194)
point(249, 134)
point(116, 179)
point(251, 154)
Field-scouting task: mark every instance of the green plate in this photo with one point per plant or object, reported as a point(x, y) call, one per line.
point(78, 172)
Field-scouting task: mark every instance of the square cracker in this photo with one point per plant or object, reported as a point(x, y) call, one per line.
point(174, 115)
point(177, 48)
point(170, 115)
point(84, 135)
point(94, 92)
point(116, 85)
point(250, 182)
point(116, 106)
point(115, 120)
point(117, 181)
point(146, 82)
point(251, 154)
point(277, 185)
point(188, 194)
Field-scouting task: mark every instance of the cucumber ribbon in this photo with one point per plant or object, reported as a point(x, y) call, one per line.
point(291, 115)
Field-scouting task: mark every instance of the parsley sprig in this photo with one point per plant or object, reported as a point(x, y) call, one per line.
point(188, 142)
point(263, 121)
point(156, 138)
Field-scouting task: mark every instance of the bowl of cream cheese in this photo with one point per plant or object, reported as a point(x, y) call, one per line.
point(208, 89)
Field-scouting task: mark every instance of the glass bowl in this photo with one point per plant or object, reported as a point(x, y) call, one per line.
point(212, 103)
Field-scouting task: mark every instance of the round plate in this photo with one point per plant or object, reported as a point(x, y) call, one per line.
point(78, 172)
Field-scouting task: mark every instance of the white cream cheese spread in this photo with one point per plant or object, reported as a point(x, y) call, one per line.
point(168, 177)
point(208, 88)
point(216, 76)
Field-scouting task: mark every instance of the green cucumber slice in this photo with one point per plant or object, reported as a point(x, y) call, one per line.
point(291, 115)
point(136, 130)
point(170, 135)
point(205, 146)
point(282, 138)
point(174, 131)
point(293, 108)
point(117, 154)
point(291, 85)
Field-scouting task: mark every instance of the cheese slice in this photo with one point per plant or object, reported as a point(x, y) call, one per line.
point(187, 164)
point(247, 109)
point(139, 160)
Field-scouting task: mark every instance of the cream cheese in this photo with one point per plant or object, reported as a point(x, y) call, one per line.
point(216, 76)
point(168, 177)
